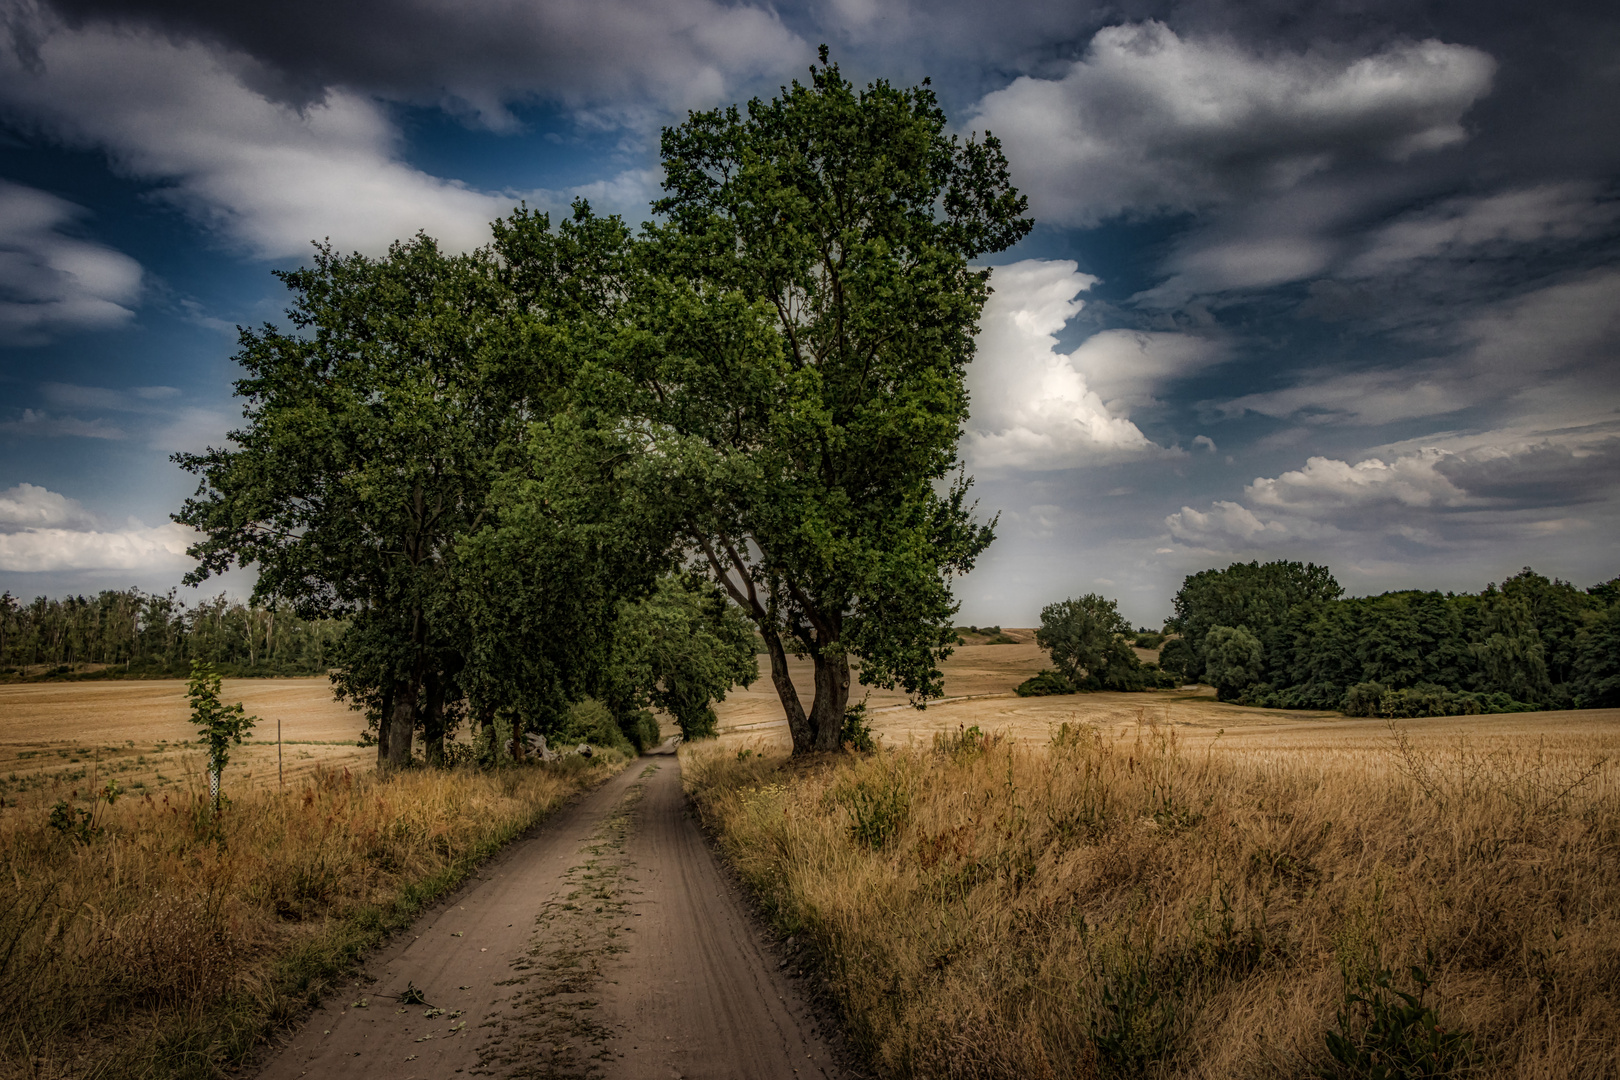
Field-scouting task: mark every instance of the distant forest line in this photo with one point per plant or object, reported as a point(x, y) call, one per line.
point(1283, 635)
point(158, 635)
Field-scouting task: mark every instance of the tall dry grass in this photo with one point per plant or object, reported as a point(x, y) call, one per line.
point(172, 941)
point(1111, 906)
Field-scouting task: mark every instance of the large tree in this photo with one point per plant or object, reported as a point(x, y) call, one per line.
point(820, 315)
point(363, 455)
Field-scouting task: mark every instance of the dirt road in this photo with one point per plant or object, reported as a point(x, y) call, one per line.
point(607, 945)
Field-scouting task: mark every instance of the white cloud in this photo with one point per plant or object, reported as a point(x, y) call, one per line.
point(1488, 489)
point(265, 176)
point(52, 281)
point(42, 530)
point(29, 506)
point(1325, 484)
point(1148, 121)
point(136, 549)
point(618, 58)
point(38, 424)
point(1033, 407)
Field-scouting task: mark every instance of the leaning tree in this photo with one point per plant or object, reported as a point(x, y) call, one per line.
point(819, 314)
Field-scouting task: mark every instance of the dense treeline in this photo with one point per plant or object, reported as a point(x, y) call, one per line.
point(158, 635)
point(1282, 634)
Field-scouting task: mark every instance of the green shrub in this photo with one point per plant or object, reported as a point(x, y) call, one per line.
point(878, 810)
point(1149, 639)
point(1424, 699)
point(1386, 1033)
point(590, 721)
point(641, 728)
point(1048, 681)
point(857, 733)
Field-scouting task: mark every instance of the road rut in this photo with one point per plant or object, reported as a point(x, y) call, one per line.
point(608, 945)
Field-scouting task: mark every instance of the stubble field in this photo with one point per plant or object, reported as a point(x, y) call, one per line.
point(61, 736)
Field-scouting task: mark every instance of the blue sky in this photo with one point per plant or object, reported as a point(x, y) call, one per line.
point(1325, 281)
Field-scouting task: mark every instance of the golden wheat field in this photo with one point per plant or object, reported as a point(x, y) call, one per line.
point(58, 736)
point(1161, 885)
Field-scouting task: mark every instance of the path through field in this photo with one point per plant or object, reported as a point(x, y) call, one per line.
point(606, 945)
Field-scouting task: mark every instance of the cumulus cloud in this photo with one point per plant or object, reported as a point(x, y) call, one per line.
point(1431, 497)
point(52, 281)
point(42, 530)
point(617, 57)
point(31, 506)
point(1148, 121)
point(136, 549)
point(1033, 407)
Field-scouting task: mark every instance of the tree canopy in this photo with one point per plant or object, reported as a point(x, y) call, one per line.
point(1530, 642)
point(820, 315)
point(485, 462)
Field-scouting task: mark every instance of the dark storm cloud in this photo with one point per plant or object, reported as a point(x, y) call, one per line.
point(1543, 475)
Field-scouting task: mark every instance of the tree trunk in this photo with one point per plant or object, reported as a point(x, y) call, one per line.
point(832, 698)
point(402, 724)
point(798, 723)
point(433, 721)
point(385, 716)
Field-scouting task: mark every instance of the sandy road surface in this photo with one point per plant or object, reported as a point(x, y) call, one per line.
point(607, 945)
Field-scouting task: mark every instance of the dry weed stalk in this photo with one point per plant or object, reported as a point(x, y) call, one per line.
point(177, 936)
point(1113, 906)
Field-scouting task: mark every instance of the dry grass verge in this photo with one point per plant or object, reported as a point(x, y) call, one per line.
point(1121, 906)
point(170, 942)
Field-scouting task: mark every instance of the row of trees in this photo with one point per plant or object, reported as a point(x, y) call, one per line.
point(1282, 634)
point(158, 634)
point(579, 462)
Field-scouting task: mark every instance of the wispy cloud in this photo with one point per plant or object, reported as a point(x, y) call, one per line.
point(53, 281)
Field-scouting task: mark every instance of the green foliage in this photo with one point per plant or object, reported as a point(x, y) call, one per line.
point(1148, 639)
point(1530, 642)
point(1424, 699)
point(1597, 664)
point(680, 649)
point(822, 311)
point(1258, 597)
point(1044, 683)
point(879, 808)
point(1386, 1033)
point(218, 724)
point(1233, 660)
point(1176, 657)
point(1133, 1025)
point(1088, 640)
point(590, 721)
point(156, 635)
point(857, 733)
